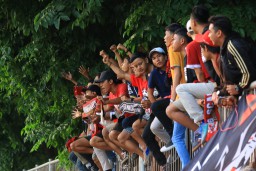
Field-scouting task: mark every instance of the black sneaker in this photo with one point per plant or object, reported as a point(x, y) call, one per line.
point(134, 156)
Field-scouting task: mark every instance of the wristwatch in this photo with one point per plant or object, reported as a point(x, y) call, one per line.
point(218, 92)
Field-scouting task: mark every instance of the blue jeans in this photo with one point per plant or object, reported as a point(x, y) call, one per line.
point(178, 139)
point(73, 158)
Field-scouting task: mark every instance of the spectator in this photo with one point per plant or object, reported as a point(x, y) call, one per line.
point(157, 80)
point(199, 19)
point(179, 43)
point(236, 66)
point(140, 64)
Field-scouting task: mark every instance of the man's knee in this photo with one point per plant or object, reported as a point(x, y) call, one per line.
point(105, 133)
point(121, 139)
point(113, 135)
point(169, 110)
point(154, 128)
point(135, 126)
point(72, 146)
point(93, 142)
point(180, 88)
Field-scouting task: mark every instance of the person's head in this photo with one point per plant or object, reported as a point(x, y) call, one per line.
point(207, 47)
point(139, 62)
point(180, 40)
point(199, 18)
point(79, 96)
point(158, 57)
point(107, 80)
point(169, 32)
point(189, 29)
point(125, 66)
point(220, 27)
point(92, 91)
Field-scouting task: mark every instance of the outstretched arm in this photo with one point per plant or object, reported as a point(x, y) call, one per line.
point(104, 55)
point(120, 73)
point(122, 47)
point(68, 76)
point(85, 72)
point(113, 48)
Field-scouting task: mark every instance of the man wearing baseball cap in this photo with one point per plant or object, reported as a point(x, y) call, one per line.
point(211, 53)
point(106, 75)
point(158, 81)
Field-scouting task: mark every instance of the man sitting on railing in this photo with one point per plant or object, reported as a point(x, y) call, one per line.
point(236, 60)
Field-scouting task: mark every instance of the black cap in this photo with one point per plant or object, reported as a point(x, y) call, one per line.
point(106, 75)
point(94, 88)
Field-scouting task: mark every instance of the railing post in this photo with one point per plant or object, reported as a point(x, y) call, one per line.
point(50, 165)
point(36, 166)
point(141, 165)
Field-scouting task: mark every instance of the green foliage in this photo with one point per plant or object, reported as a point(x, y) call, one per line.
point(40, 39)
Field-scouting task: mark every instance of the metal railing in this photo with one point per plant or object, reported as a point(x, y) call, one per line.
point(137, 164)
point(134, 165)
point(51, 165)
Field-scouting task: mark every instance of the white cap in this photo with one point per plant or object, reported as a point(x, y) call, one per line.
point(188, 26)
point(157, 49)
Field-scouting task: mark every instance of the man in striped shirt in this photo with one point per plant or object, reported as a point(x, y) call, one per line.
point(236, 62)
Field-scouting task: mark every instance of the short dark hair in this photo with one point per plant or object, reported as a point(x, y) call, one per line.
point(173, 27)
point(222, 23)
point(183, 33)
point(210, 48)
point(138, 55)
point(200, 14)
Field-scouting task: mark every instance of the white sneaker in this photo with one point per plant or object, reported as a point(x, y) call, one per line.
point(199, 119)
point(167, 147)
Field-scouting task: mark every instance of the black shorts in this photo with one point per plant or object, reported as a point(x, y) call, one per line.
point(99, 135)
point(118, 127)
point(88, 137)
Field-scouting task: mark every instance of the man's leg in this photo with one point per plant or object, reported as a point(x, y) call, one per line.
point(99, 142)
point(157, 128)
point(188, 95)
point(175, 111)
point(152, 144)
point(81, 145)
point(158, 108)
point(178, 140)
point(103, 158)
point(113, 146)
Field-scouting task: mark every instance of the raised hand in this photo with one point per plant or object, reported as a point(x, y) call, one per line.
point(145, 104)
point(76, 114)
point(83, 71)
point(121, 47)
point(106, 61)
point(67, 76)
point(103, 54)
point(113, 48)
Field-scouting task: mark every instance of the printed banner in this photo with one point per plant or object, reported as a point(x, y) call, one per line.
point(89, 107)
point(131, 107)
point(231, 147)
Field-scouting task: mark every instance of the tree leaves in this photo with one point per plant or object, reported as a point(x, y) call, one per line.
point(40, 39)
point(51, 15)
